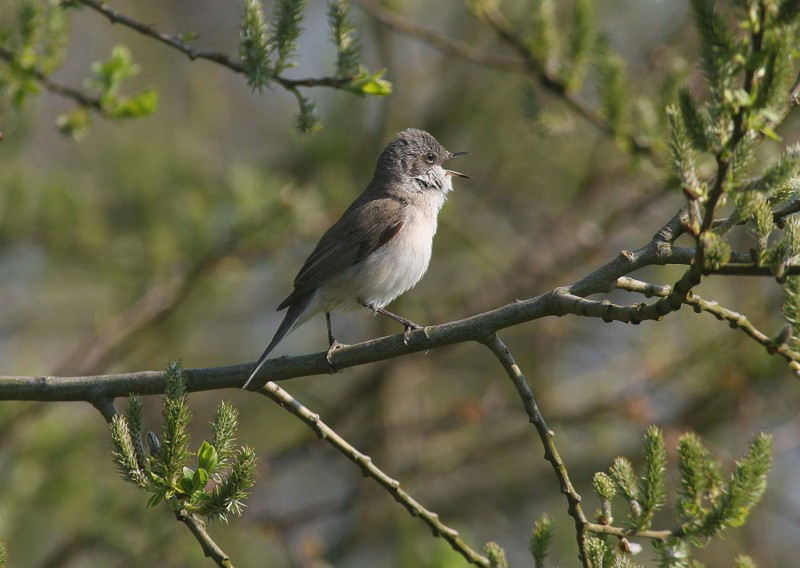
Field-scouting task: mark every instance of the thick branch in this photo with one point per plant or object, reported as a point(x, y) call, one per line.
point(558, 302)
point(369, 469)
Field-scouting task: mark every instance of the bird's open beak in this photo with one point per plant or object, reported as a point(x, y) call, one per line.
point(453, 172)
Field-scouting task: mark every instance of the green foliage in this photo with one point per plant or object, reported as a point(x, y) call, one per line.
point(683, 161)
point(597, 551)
point(164, 471)
point(778, 173)
point(732, 505)
point(254, 46)
point(365, 83)
point(706, 504)
point(307, 120)
point(717, 251)
point(613, 89)
point(542, 40)
point(673, 553)
point(541, 539)
point(496, 555)
point(344, 37)
point(286, 19)
point(695, 122)
point(717, 44)
point(36, 43)
point(791, 304)
point(582, 40)
point(744, 561)
point(266, 49)
point(652, 484)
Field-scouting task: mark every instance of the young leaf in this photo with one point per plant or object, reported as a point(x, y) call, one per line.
point(207, 457)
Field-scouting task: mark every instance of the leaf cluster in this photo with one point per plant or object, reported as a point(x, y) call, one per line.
point(35, 42)
point(215, 486)
point(267, 46)
point(707, 504)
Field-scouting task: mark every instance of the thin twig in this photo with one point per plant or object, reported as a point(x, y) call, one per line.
point(631, 533)
point(210, 548)
point(734, 319)
point(369, 469)
point(76, 95)
point(446, 45)
point(193, 52)
point(496, 346)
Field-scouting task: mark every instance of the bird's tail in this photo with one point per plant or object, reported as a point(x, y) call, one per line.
point(292, 315)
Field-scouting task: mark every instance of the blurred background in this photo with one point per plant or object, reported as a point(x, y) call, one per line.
point(179, 234)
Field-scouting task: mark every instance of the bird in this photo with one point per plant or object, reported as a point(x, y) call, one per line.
point(381, 245)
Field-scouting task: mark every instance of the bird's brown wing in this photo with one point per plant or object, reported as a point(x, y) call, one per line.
point(368, 224)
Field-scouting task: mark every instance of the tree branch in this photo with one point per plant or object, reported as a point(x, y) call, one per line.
point(369, 469)
point(557, 302)
point(629, 533)
point(76, 95)
point(498, 348)
point(734, 319)
point(210, 548)
point(193, 53)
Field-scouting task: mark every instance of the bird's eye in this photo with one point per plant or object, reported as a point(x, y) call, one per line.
point(430, 157)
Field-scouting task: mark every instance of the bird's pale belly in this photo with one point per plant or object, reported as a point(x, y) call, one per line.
point(382, 276)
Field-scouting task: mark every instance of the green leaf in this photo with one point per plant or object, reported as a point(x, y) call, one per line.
point(140, 105)
point(369, 84)
point(207, 457)
point(154, 500)
point(111, 74)
point(199, 479)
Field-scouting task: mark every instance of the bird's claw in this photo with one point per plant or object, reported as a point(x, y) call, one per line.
point(334, 346)
point(407, 331)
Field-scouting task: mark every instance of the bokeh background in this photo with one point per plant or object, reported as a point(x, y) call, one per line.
point(196, 220)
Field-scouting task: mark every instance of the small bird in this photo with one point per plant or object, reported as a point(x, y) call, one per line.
point(381, 246)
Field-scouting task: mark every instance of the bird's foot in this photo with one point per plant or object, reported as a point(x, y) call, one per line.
point(334, 346)
point(409, 327)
